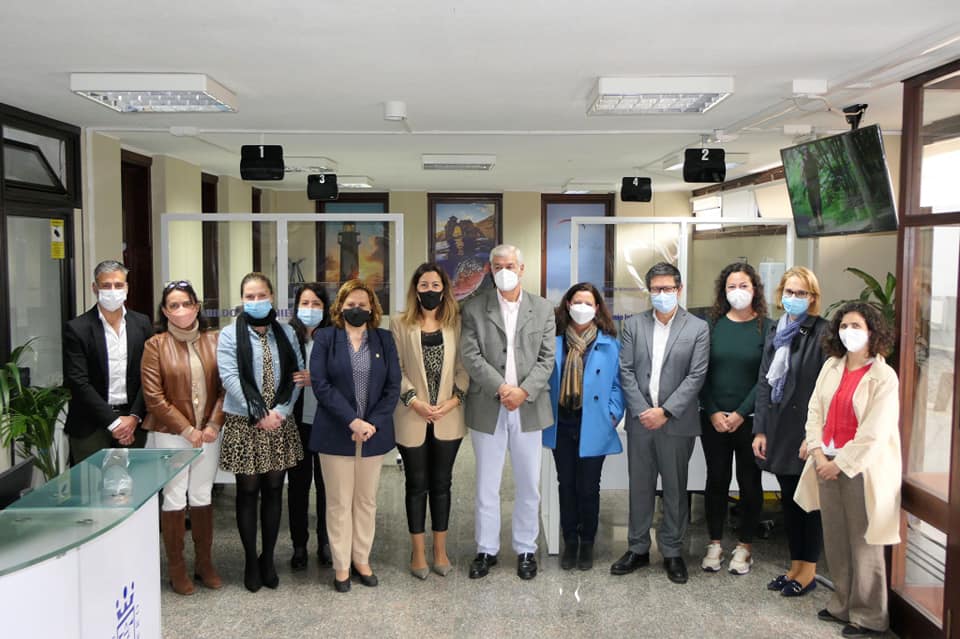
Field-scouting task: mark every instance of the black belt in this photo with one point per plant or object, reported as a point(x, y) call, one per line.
point(120, 408)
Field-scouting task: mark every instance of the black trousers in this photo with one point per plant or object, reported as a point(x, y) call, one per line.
point(720, 449)
point(579, 479)
point(804, 531)
point(299, 479)
point(429, 473)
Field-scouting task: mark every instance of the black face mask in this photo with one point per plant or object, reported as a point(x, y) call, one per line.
point(356, 316)
point(430, 299)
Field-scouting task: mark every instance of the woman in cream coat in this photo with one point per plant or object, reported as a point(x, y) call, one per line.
point(429, 418)
point(853, 466)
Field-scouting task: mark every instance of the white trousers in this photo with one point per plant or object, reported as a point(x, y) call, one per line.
point(525, 453)
point(196, 480)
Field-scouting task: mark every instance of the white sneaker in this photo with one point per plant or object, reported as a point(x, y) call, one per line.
point(713, 560)
point(741, 560)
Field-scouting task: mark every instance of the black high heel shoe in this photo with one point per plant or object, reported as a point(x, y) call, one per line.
point(268, 573)
point(251, 576)
point(370, 581)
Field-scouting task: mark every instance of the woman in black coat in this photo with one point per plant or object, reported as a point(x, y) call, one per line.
point(792, 358)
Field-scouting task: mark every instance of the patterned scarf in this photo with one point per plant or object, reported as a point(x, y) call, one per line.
point(571, 382)
point(780, 366)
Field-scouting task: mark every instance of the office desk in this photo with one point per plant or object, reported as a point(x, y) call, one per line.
point(76, 561)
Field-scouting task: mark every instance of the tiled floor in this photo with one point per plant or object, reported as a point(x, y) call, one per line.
point(556, 604)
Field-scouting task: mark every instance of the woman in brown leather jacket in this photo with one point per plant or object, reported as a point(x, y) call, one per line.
point(184, 397)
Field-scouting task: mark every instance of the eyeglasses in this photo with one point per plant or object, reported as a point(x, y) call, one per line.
point(177, 284)
point(657, 290)
point(788, 292)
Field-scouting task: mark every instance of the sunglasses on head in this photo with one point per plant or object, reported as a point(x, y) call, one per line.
point(177, 284)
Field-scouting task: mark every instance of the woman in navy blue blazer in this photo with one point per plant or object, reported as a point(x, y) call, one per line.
point(588, 405)
point(355, 375)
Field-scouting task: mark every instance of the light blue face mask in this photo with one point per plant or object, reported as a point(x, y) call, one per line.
point(664, 302)
point(310, 316)
point(258, 309)
point(794, 306)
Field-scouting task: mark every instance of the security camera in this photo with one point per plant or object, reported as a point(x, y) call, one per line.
point(853, 114)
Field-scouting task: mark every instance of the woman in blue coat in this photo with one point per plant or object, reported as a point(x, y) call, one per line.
point(355, 375)
point(587, 405)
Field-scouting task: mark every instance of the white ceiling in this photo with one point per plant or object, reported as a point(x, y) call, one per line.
point(511, 78)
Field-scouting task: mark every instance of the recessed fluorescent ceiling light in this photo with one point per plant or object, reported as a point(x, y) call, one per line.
point(309, 164)
point(154, 92)
point(457, 162)
point(658, 95)
point(354, 182)
point(581, 187)
point(733, 160)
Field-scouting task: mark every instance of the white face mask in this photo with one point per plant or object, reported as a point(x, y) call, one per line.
point(854, 339)
point(582, 313)
point(739, 298)
point(506, 280)
point(112, 299)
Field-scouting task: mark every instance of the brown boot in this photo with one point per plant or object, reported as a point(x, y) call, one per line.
point(202, 518)
point(172, 524)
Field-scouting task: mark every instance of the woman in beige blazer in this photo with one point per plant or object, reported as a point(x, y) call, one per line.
point(853, 469)
point(429, 418)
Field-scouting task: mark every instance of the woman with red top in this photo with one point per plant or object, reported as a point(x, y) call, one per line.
point(852, 471)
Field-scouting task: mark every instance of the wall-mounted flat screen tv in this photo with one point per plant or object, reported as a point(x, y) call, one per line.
point(840, 185)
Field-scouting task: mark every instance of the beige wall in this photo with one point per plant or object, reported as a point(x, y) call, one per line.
point(235, 238)
point(107, 220)
point(175, 187)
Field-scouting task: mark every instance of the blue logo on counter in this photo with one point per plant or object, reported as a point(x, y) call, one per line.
point(128, 623)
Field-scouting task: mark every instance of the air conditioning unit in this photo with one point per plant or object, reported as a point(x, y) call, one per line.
point(457, 162)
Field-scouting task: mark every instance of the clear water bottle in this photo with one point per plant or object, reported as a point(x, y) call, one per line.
point(117, 482)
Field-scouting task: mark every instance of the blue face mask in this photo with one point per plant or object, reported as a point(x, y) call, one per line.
point(795, 306)
point(258, 309)
point(310, 316)
point(664, 302)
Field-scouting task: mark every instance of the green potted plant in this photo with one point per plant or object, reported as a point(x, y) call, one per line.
point(29, 415)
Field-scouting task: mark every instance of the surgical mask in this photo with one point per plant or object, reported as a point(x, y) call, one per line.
point(112, 299)
point(182, 318)
point(258, 309)
point(506, 280)
point(739, 298)
point(356, 316)
point(664, 302)
point(430, 299)
point(854, 339)
point(795, 306)
point(310, 316)
point(582, 313)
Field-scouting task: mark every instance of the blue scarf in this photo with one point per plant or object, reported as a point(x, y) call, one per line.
point(780, 366)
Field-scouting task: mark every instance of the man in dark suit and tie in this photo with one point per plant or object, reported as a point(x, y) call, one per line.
point(663, 364)
point(101, 367)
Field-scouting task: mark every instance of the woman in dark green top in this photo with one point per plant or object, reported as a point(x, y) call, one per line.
point(739, 324)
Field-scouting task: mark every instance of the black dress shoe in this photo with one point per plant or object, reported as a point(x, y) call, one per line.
point(299, 560)
point(481, 565)
point(629, 562)
point(341, 586)
point(268, 573)
point(568, 559)
point(585, 560)
point(778, 583)
point(251, 576)
point(370, 581)
point(323, 555)
point(526, 566)
point(853, 630)
point(825, 615)
point(676, 569)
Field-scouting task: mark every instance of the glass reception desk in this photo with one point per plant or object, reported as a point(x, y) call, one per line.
point(81, 560)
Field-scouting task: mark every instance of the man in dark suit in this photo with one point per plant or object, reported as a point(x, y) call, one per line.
point(101, 367)
point(663, 364)
point(507, 343)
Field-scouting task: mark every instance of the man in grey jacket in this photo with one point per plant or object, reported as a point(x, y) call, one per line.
point(507, 344)
point(663, 364)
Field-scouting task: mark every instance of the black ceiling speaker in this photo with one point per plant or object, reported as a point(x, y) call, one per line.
point(704, 165)
point(636, 189)
point(322, 186)
point(261, 162)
